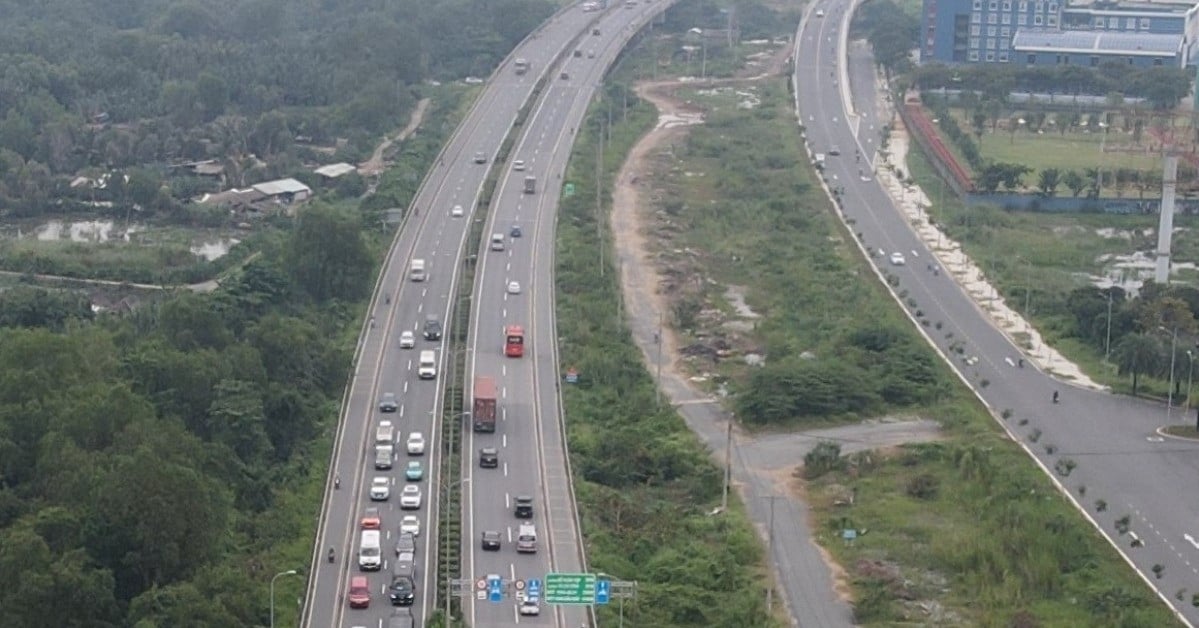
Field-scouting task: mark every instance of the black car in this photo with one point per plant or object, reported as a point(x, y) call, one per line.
point(432, 329)
point(402, 591)
point(524, 507)
point(491, 541)
point(489, 458)
point(514, 231)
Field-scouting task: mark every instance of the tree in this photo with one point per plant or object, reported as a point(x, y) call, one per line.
point(1074, 182)
point(978, 121)
point(1138, 354)
point(328, 256)
point(212, 93)
point(1048, 181)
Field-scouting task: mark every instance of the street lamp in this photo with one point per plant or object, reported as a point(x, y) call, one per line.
point(289, 572)
point(1190, 373)
point(1173, 351)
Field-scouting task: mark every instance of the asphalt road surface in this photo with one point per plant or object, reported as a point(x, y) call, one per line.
point(1112, 441)
point(530, 436)
point(433, 235)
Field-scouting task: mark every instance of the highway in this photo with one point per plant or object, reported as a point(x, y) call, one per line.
point(432, 234)
point(1120, 459)
point(530, 435)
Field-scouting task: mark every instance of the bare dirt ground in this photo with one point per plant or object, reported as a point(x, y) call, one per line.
point(763, 463)
point(374, 166)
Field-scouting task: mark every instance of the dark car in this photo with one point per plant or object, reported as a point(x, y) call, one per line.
point(595, 31)
point(514, 231)
point(524, 507)
point(489, 458)
point(432, 329)
point(388, 403)
point(402, 591)
point(491, 541)
point(578, 53)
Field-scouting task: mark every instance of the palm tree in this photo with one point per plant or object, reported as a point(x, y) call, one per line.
point(1136, 355)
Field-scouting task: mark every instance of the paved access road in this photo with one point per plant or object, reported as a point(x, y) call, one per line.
point(1111, 439)
point(529, 434)
point(433, 235)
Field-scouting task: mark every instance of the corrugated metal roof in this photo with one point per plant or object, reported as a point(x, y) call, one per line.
point(1156, 44)
point(282, 186)
point(335, 170)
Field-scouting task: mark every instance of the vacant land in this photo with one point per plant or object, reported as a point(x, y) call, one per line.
point(735, 217)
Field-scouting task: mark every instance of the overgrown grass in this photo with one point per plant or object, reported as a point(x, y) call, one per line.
point(1036, 259)
point(643, 481)
point(963, 532)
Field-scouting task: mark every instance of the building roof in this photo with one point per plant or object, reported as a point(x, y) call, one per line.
point(1179, 6)
point(232, 197)
point(282, 186)
point(1097, 42)
point(335, 170)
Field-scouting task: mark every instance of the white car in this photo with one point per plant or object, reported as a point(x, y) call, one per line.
point(897, 259)
point(407, 339)
point(518, 165)
point(410, 497)
point(530, 607)
point(380, 489)
point(457, 212)
point(416, 444)
point(513, 287)
point(410, 525)
point(819, 12)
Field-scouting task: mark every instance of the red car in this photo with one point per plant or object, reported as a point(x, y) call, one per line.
point(370, 519)
point(360, 592)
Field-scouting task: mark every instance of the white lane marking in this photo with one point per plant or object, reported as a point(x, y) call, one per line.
point(510, 541)
point(504, 441)
point(504, 313)
point(1190, 539)
point(503, 414)
point(406, 384)
point(507, 501)
point(504, 392)
point(504, 370)
point(420, 308)
point(506, 473)
point(423, 292)
point(401, 412)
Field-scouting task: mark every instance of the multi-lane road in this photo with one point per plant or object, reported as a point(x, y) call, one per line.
point(530, 435)
point(431, 234)
point(1120, 458)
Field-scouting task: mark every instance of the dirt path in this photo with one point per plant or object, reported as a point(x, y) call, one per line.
point(762, 464)
point(374, 165)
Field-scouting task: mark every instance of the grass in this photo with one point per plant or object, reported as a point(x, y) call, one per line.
point(1053, 254)
point(968, 527)
point(644, 483)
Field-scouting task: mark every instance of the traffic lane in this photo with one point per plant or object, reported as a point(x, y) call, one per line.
point(992, 344)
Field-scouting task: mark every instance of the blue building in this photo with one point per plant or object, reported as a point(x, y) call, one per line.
point(1163, 32)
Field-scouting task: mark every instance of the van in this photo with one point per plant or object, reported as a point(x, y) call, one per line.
point(418, 272)
point(526, 539)
point(383, 456)
point(530, 185)
point(405, 566)
point(385, 433)
point(497, 241)
point(428, 365)
point(370, 554)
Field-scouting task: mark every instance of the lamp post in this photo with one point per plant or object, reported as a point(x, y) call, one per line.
point(1170, 390)
point(289, 572)
point(1190, 374)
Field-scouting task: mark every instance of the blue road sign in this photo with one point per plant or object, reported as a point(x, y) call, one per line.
point(603, 591)
point(495, 590)
point(533, 588)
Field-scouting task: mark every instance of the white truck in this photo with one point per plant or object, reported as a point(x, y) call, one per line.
point(418, 272)
point(428, 365)
point(370, 555)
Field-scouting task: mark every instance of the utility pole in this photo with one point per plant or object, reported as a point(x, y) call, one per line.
point(770, 553)
point(728, 465)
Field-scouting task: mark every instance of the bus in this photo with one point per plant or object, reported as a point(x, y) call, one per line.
point(514, 341)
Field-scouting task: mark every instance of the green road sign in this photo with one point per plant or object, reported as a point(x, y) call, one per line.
point(570, 588)
point(568, 189)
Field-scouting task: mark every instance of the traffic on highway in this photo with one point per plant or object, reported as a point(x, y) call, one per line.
point(376, 550)
point(1112, 439)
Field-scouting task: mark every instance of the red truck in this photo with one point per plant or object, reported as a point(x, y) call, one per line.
point(484, 408)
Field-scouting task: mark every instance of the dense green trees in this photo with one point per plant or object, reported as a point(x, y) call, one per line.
point(1162, 87)
point(134, 83)
point(140, 454)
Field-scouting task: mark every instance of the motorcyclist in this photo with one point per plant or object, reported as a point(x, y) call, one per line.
point(331, 557)
point(1055, 396)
